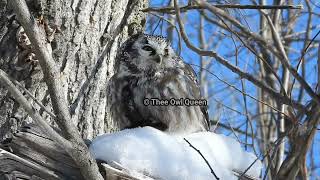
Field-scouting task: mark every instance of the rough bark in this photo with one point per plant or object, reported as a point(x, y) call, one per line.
point(84, 36)
point(85, 30)
point(31, 153)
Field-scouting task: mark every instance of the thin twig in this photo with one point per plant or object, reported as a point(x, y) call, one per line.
point(304, 49)
point(248, 168)
point(250, 48)
point(37, 35)
point(303, 54)
point(230, 108)
point(170, 10)
point(229, 127)
point(250, 34)
point(318, 67)
point(233, 68)
point(42, 49)
point(202, 158)
point(235, 88)
point(237, 137)
point(4, 78)
point(285, 63)
point(175, 27)
point(33, 98)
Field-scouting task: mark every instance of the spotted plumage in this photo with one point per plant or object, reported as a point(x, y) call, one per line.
point(147, 67)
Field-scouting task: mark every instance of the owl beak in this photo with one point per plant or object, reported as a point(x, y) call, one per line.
point(158, 59)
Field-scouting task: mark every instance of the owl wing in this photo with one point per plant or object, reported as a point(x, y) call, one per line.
point(192, 74)
point(118, 105)
point(125, 112)
point(172, 83)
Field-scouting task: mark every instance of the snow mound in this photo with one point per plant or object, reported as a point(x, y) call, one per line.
point(150, 151)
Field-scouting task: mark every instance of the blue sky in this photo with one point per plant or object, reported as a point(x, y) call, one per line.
point(246, 61)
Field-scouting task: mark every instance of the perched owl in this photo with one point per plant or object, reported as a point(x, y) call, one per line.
point(147, 69)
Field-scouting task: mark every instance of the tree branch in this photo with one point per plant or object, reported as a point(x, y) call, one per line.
point(240, 91)
point(318, 67)
point(79, 151)
point(238, 25)
point(42, 49)
point(237, 130)
point(170, 10)
point(31, 111)
point(33, 98)
point(221, 60)
point(285, 62)
point(198, 151)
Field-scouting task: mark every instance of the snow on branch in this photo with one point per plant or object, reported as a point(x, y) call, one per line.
point(159, 155)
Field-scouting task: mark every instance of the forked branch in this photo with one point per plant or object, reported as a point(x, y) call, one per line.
point(221, 60)
point(36, 33)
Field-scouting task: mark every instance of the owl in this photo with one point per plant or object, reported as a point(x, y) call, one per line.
point(147, 69)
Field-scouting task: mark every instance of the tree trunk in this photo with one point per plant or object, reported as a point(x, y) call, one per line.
point(86, 36)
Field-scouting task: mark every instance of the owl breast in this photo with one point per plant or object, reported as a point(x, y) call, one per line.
point(170, 85)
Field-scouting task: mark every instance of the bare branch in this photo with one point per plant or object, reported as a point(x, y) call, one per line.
point(304, 49)
point(240, 91)
point(285, 84)
point(79, 151)
point(170, 10)
point(285, 62)
point(172, 25)
point(31, 111)
point(302, 141)
point(318, 62)
point(50, 70)
point(228, 127)
point(233, 68)
point(238, 25)
point(33, 98)
point(214, 174)
point(115, 170)
point(227, 107)
point(6, 157)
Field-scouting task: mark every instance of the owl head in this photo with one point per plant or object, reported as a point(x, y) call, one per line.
point(146, 53)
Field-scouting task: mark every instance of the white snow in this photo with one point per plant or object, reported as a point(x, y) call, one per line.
point(150, 151)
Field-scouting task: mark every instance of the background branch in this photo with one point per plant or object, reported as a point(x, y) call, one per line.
point(233, 68)
point(233, 6)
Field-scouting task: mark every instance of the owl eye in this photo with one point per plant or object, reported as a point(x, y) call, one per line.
point(147, 48)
